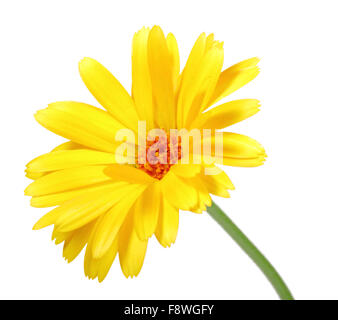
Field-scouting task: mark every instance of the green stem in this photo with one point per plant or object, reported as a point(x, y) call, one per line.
point(249, 248)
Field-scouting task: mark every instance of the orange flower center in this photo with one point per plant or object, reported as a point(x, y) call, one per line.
point(159, 155)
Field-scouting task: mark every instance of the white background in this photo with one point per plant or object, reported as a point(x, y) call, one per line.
point(288, 207)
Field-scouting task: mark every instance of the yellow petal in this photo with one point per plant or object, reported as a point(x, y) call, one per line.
point(189, 75)
point(246, 163)
point(146, 211)
point(177, 192)
point(132, 250)
point(167, 227)
point(112, 221)
point(204, 198)
point(81, 123)
point(107, 260)
point(203, 85)
point(209, 74)
point(109, 92)
point(69, 145)
point(55, 199)
point(199, 78)
point(161, 78)
point(66, 159)
point(248, 63)
point(118, 172)
point(237, 149)
point(186, 95)
point(209, 41)
point(217, 183)
point(142, 90)
point(186, 170)
point(90, 264)
point(234, 78)
point(227, 114)
point(74, 215)
point(59, 237)
point(34, 175)
point(76, 242)
point(98, 267)
point(81, 210)
point(67, 179)
point(174, 56)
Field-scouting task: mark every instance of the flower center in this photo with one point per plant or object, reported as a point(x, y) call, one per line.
point(159, 155)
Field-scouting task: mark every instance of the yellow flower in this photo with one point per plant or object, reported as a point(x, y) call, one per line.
point(115, 208)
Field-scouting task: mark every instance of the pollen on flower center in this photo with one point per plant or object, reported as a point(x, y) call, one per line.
point(159, 155)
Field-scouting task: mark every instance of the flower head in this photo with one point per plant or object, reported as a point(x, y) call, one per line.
point(111, 206)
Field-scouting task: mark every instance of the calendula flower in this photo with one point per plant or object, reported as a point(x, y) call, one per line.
point(111, 208)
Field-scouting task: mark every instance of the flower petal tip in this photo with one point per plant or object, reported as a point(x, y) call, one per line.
point(254, 61)
point(85, 60)
point(157, 28)
point(28, 191)
point(86, 63)
point(97, 252)
point(36, 226)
